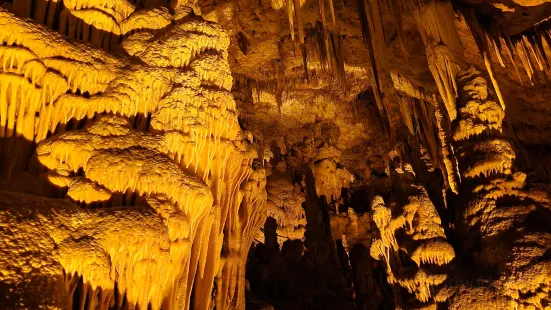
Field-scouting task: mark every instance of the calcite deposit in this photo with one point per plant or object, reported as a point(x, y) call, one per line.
point(275, 154)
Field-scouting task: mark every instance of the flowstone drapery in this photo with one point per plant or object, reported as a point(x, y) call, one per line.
point(150, 125)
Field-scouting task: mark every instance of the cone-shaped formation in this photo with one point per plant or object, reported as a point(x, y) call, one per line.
point(477, 130)
point(443, 47)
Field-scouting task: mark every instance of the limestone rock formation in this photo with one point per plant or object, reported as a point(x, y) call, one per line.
point(295, 154)
point(410, 238)
point(497, 211)
point(149, 122)
point(284, 204)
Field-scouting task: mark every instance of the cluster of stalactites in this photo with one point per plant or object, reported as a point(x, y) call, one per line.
point(330, 179)
point(98, 247)
point(164, 129)
point(435, 20)
point(43, 76)
point(422, 239)
point(102, 23)
point(531, 46)
point(330, 47)
point(242, 224)
point(433, 135)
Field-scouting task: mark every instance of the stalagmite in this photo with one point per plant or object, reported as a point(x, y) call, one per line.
point(417, 219)
point(497, 202)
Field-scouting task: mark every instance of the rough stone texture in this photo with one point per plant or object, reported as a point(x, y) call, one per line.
point(285, 154)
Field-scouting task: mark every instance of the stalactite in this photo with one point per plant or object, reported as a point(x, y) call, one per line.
point(290, 12)
point(437, 129)
point(443, 46)
point(365, 19)
point(300, 26)
point(509, 49)
point(397, 14)
point(332, 8)
point(374, 38)
point(482, 43)
point(100, 23)
point(405, 104)
point(448, 157)
point(324, 33)
point(189, 159)
point(427, 131)
point(329, 47)
point(528, 45)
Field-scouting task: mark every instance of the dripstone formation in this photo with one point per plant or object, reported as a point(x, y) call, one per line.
point(275, 154)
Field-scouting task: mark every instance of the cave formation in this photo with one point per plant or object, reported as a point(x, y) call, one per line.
point(275, 154)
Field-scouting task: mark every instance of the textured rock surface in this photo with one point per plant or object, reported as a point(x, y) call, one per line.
point(152, 124)
point(285, 154)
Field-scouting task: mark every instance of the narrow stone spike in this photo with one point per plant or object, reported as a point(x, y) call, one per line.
point(528, 44)
point(509, 49)
point(332, 8)
point(300, 24)
point(290, 17)
point(397, 14)
point(525, 58)
point(537, 42)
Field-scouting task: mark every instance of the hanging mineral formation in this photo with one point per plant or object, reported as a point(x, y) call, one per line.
point(159, 128)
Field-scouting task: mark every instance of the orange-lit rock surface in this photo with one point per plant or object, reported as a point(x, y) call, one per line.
point(277, 154)
point(149, 128)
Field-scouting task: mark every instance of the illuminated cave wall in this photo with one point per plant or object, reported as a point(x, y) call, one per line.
point(141, 135)
point(275, 154)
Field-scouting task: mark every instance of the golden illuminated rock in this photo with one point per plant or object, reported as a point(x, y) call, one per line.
point(160, 127)
point(330, 179)
point(413, 228)
point(284, 204)
point(498, 205)
point(281, 154)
